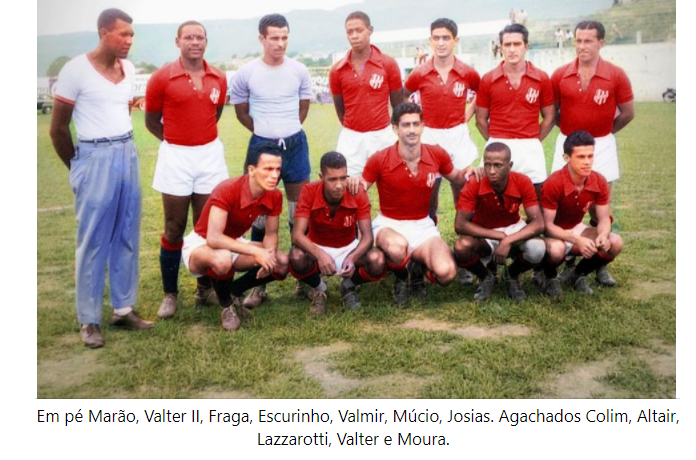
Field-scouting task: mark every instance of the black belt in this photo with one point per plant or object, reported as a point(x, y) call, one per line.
point(104, 140)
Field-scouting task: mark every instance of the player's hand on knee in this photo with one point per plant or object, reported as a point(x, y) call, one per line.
point(327, 265)
point(348, 267)
point(603, 243)
point(587, 247)
point(265, 258)
point(501, 252)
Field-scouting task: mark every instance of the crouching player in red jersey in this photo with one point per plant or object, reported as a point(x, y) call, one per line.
point(566, 197)
point(326, 220)
point(216, 247)
point(488, 220)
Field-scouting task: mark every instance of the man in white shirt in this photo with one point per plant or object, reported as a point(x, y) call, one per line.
point(271, 99)
point(95, 91)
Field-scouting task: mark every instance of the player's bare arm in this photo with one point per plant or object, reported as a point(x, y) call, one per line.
point(586, 246)
point(548, 115)
point(242, 112)
point(470, 111)
point(153, 123)
point(60, 131)
point(218, 112)
point(626, 114)
point(458, 176)
point(340, 107)
point(464, 226)
point(304, 109)
point(603, 227)
point(327, 265)
point(396, 97)
point(482, 121)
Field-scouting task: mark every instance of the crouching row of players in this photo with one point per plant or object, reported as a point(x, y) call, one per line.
point(333, 232)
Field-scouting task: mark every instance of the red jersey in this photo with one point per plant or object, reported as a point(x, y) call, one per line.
point(489, 212)
point(444, 104)
point(594, 109)
point(514, 113)
point(366, 96)
point(189, 114)
point(559, 193)
point(234, 196)
point(403, 196)
point(337, 231)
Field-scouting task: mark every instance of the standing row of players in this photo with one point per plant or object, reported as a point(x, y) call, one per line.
point(271, 97)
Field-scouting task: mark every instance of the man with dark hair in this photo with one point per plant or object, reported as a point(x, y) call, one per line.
point(363, 84)
point(488, 220)
point(508, 103)
point(216, 247)
point(271, 96)
point(184, 101)
point(444, 83)
point(95, 90)
point(589, 92)
point(566, 197)
point(326, 222)
point(405, 175)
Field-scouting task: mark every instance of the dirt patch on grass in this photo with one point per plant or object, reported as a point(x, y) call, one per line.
point(662, 358)
point(648, 234)
point(197, 333)
point(219, 394)
point(58, 374)
point(647, 289)
point(316, 363)
point(470, 331)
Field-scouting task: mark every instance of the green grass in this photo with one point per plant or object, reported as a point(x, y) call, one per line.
point(189, 355)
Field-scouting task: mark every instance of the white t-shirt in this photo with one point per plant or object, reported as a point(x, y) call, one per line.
point(100, 106)
point(273, 94)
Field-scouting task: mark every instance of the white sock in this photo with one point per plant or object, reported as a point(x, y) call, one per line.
point(123, 311)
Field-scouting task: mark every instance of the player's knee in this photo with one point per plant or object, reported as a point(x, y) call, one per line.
point(464, 246)
point(555, 251)
point(222, 263)
point(534, 251)
point(174, 231)
point(282, 259)
point(616, 244)
point(297, 258)
point(445, 271)
point(375, 261)
point(395, 249)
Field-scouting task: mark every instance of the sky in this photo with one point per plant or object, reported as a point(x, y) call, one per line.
point(66, 16)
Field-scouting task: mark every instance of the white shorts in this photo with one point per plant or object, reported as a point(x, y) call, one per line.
point(509, 230)
point(182, 170)
point(357, 147)
point(456, 141)
point(577, 230)
point(606, 160)
point(339, 254)
point(192, 241)
point(416, 232)
point(527, 157)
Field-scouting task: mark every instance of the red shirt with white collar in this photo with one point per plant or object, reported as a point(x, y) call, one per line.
point(593, 109)
point(403, 196)
point(189, 114)
point(514, 113)
point(489, 211)
point(559, 193)
point(337, 231)
point(444, 103)
point(366, 95)
point(234, 196)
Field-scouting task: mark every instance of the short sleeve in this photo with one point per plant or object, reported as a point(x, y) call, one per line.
point(371, 171)
point(277, 204)
point(223, 90)
point(483, 93)
point(222, 197)
point(474, 80)
point(363, 206)
point(335, 81)
point(154, 93)
point(67, 87)
point(304, 203)
point(529, 196)
point(467, 197)
point(624, 92)
point(547, 94)
point(305, 83)
point(445, 162)
point(239, 89)
point(551, 194)
point(603, 195)
point(556, 83)
point(394, 75)
point(413, 81)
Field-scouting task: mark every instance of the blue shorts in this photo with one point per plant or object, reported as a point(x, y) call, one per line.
point(295, 156)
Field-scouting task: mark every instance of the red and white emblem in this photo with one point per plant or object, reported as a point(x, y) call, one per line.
point(532, 95)
point(215, 95)
point(458, 89)
point(430, 181)
point(348, 221)
point(376, 81)
point(601, 96)
point(587, 206)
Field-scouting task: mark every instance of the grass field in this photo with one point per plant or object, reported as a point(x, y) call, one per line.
point(618, 343)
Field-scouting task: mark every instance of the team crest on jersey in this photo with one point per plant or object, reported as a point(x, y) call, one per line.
point(532, 95)
point(348, 221)
point(514, 207)
point(601, 96)
point(430, 181)
point(587, 206)
point(376, 81)
point(458, 89)
point(214, 95)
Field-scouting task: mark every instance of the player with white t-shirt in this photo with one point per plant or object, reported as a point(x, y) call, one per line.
point(271, 99)
point(95, 91)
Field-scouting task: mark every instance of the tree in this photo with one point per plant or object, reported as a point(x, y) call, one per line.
point(56, 65)
point(146, 67)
